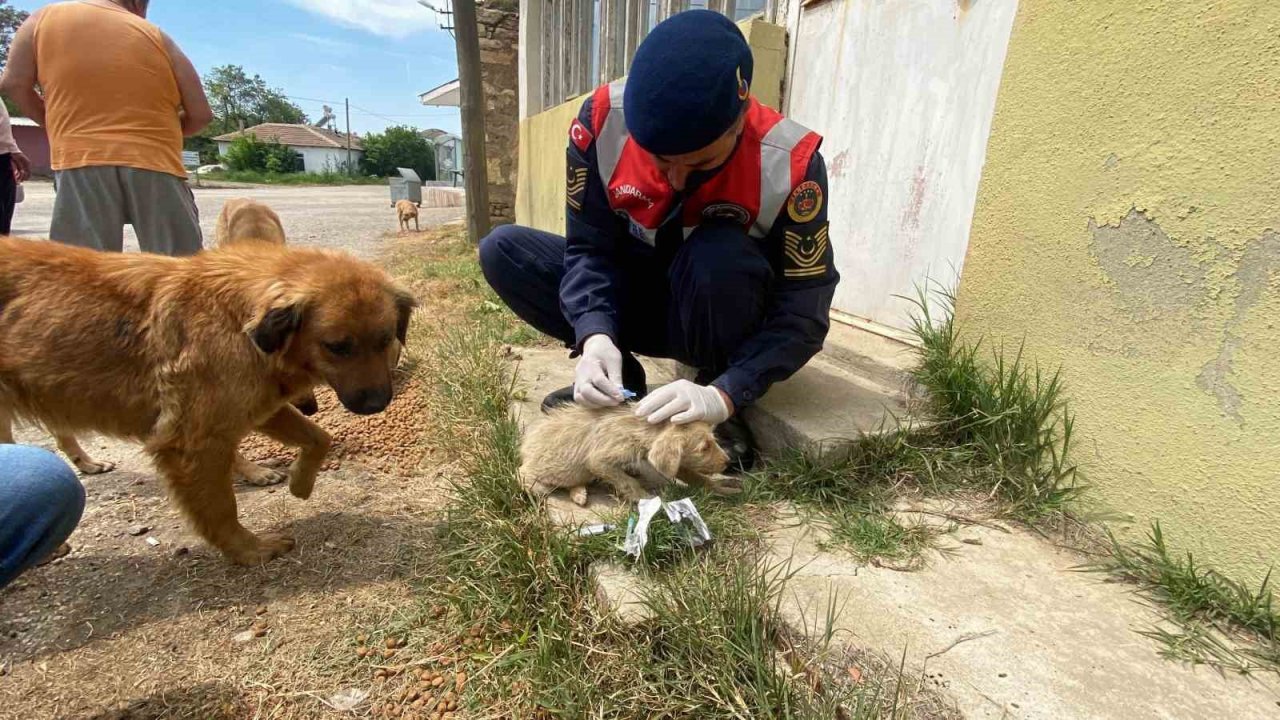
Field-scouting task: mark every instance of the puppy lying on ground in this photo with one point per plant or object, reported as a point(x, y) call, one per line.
point(244, 220)
point(574, 445)
point(406, 210)
point(190, 354)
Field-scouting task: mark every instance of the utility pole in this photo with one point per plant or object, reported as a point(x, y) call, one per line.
point(347, 102)
point(475, 170)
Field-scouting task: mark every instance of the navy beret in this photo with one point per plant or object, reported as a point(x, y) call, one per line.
point(688, 83)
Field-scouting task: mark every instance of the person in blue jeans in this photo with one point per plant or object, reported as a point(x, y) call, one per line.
point(41, 500)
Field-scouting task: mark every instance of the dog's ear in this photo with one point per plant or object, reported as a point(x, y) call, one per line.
point(405, 303)
point(667, 451)
point(278, 321)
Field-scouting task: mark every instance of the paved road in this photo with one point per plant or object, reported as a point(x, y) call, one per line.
point(352, 218)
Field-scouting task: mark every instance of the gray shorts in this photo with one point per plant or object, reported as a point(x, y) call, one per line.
point(93, 204)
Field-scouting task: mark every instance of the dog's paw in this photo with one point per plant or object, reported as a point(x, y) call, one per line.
point(579, 495)
point(94, 467)
point(263, 477)
point(268, 546)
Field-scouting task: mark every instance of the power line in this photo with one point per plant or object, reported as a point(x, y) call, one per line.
point(366, 111)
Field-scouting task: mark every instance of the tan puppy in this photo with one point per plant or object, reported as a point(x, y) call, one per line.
point(574, 445)
point(188, 355)
point(245, 220)
point(406, 210)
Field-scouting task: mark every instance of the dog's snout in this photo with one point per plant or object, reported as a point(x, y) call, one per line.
point(367, 401)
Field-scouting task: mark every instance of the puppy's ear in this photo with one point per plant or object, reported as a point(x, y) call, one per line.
point(667, 451)
point(405, 303)
point(277, 322)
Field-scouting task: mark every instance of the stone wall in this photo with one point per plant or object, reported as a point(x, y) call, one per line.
point(499, 26)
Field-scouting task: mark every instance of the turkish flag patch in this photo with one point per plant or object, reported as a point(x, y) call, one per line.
point(580, 136)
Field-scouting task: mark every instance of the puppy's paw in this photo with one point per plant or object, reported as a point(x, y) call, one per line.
point(94, 467)
point(579, 495)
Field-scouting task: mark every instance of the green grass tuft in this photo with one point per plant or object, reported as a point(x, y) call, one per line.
point(1221, 621)
point(1009, 418)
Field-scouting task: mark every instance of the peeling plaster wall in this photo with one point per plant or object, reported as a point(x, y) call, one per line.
point(1128, 227)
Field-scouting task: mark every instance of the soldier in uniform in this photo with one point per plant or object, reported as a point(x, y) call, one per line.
point(697, 230)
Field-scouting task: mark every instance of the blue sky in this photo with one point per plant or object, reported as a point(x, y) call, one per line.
point(379, 53)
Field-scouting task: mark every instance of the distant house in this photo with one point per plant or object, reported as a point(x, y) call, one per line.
point(320, 150)
point(34, 143)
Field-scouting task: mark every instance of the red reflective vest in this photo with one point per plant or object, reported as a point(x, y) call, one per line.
point(771, 159)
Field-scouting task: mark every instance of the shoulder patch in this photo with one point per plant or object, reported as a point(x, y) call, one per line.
point(579, 135)
point(805, 201)
point(576, 185)
point(806, 255)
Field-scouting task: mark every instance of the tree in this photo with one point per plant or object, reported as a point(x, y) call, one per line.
point(10, 20)
point(398, 146)
point(238, 99)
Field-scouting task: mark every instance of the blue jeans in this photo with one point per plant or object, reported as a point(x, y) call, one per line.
point(41, 500)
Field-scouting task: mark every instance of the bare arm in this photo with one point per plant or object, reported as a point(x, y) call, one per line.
point(19, 82)
point(196, 113)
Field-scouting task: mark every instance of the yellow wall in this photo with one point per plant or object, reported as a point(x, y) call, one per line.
point(543, 137)
point(1128, 227)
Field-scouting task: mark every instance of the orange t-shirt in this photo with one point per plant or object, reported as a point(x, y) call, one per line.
point(110, 94)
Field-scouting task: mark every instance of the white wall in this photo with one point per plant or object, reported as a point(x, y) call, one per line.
point(316, 160)
point(904, 94)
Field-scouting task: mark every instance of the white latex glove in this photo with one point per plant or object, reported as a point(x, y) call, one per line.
point(684, 402)
point(598, 378)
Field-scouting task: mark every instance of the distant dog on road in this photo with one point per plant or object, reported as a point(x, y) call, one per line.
point(190, 354)
point(406, 210)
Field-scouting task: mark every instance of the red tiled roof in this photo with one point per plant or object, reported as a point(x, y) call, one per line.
point(295, 135)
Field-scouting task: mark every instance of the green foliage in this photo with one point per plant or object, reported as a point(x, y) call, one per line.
point(249, 153)
point(1220, 621)
point(261, 177)
point(239, 99)
point(395, 147)
point(11, 19)
point(1009, 417)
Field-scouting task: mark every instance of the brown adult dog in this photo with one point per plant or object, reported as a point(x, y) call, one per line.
point(245, 220)
point(406, 210)
point(574, 445)
point(190, 354)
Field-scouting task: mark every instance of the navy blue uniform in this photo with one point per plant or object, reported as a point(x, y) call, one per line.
point(746, 312)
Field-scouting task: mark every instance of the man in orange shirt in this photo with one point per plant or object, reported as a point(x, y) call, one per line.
point(118, 97)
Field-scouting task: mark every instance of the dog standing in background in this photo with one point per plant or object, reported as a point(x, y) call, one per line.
point(406, 210)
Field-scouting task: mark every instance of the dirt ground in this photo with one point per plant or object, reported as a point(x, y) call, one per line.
point(143, 620)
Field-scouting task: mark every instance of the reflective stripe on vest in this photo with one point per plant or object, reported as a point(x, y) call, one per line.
point(778, 153)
